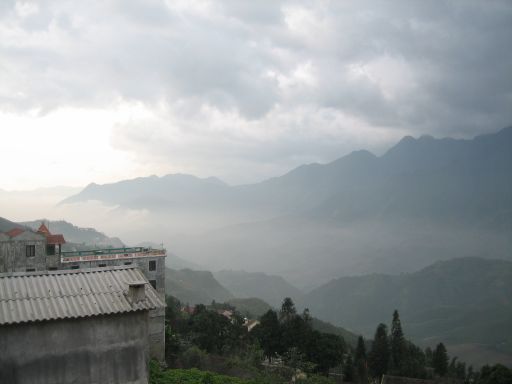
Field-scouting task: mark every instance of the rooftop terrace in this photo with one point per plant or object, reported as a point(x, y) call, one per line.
point(111, 254)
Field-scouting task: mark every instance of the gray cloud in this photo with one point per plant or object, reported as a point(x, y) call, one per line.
point(365, 69)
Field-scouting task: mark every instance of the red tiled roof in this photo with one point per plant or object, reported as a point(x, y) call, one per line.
point(15, 232)
point(43, 229)
point(55, 239)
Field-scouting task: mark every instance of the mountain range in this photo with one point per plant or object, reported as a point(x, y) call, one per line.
point(424, 200)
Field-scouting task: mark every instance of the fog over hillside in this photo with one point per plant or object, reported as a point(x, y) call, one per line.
point(425, 199)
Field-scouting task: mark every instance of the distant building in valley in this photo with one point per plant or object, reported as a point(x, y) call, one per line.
point(77, 326)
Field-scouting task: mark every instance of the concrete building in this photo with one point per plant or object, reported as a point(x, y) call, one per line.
point(22, 250)
point(27, 251)
point(76, 326)
point(150, 261)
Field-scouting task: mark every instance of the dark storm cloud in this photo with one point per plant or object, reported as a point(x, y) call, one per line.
point(443, 67)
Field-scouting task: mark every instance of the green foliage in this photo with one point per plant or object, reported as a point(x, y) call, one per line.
point(360, 362)
point(413, 362)
point(440, 360)
point(193, 357)
point(497, 374)
point(268, 332)
point(379, 356)
point(475, 308)
point(208, 340)
point(213, 332)
point(191, 376)
point(251, 307)
point(398, 344)
point(195, 287)
point(288, 310)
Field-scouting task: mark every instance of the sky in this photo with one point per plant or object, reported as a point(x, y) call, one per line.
point(100, 91)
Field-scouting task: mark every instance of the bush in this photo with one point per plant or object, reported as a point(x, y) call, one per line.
point(194, 357)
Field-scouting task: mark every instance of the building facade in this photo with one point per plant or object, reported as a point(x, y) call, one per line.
point(77, 326)
point(23, 250)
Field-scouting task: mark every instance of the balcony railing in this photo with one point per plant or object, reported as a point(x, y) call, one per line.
point(111, 254)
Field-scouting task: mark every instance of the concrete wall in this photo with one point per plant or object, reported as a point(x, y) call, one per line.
point(156, 316)
point(100, 349)
point(157, 334)
point(13, 257)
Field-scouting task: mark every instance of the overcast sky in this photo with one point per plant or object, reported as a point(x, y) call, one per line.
point(243, 90)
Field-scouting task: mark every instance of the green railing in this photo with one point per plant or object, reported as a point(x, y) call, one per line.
point(110, 251)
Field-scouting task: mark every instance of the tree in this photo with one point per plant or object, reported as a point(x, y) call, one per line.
point(348, 368)
point(378, 359)
point(428, 356)
point(398, 343)
point(413, 363)
point(497, 374)
point(360, 362)
point(306, 316)
point(324, 351)
point(268, 333)
point(288, 310)
point(440, 360)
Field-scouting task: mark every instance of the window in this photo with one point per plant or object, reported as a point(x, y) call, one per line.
point(50, 249)
point(75, 266)
point(152, 265)
point(52, 268)
point(30, 250)
point(31, 269)
point(153, 283)
point(127, 263)
point(102, 265)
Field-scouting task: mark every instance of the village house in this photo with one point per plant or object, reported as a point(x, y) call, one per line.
point(23, 250)
point(77, 326)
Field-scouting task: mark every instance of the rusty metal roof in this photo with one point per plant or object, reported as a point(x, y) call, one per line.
point(51, 295)
point(15, 232)
point(55, 239)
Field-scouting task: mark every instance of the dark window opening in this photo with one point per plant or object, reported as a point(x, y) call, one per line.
point(30, 250)
point(153, 283)
point(127, 263)
point(75, 266)
point(31, 269)
point(50, 249)
point(52, 268)
point(102, 265)
point(152, 265)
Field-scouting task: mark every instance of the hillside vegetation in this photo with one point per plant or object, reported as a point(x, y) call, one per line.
point(465, 301)
point(270, 288)
point(195, 287)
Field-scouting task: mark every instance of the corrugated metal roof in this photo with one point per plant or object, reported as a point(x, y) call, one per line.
point(50, 295)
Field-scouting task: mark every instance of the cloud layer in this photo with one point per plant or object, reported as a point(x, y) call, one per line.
point(247, 89)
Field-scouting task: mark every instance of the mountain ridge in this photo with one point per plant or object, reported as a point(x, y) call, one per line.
point(464, 301)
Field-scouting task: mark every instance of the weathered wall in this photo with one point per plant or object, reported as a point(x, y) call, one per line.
point(101, 349)
point(157, 334)
point(156, 316)
point(13, 257)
